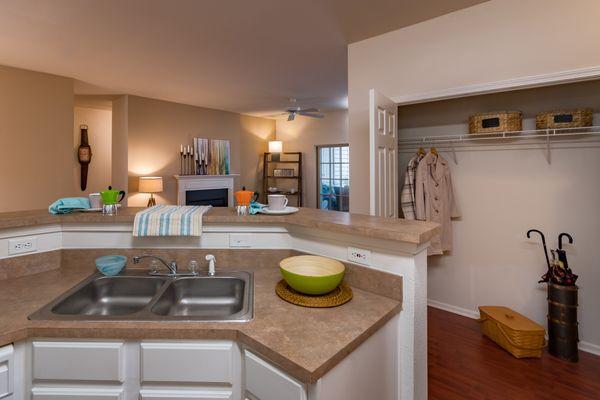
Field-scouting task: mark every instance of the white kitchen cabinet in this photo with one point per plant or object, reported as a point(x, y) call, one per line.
point(78, 361)
point(189, 370)
point(265, 382)
point(76, 393)
point(170, 394)
point(6, 372)
point(208, 361)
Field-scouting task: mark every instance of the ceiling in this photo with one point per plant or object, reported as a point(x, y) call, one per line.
point(238, 55)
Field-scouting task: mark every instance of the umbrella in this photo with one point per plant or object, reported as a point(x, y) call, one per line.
point(546, 276)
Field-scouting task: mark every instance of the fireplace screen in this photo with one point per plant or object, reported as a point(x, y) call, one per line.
point(207, 197)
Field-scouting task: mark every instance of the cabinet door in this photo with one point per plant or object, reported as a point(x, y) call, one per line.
point(6, 375)
point(187, 362)
point(265, 382)
point(72, 393)
point(83, 361)
point(166, 394)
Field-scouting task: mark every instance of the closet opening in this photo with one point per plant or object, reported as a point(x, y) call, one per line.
point(506, 184)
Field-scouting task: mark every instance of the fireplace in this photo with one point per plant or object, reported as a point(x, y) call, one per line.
point(215, 190)
point(207, 197)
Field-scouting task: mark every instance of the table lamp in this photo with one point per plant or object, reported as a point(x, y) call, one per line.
point(275, 148)
point(151, 184)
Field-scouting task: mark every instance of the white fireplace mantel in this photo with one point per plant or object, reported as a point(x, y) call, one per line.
point(200, 182)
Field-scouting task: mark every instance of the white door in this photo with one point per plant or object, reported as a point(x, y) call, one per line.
point(383, 155)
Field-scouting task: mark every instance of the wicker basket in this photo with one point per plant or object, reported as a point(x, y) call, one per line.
point(517, 334)
point(501, 121)
point(577, 118)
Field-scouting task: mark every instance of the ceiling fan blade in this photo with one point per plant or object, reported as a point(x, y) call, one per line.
point(308, 110)
point(291, 116)
point(312, 115)
point(276, 115)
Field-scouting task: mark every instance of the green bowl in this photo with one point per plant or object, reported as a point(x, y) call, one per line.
point(312, 275)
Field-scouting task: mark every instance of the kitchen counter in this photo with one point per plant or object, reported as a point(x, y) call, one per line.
point(305, 342)
point(413, 232)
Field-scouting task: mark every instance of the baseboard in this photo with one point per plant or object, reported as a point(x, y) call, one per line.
point(453, 309)
point(583, 346)
point(589, 348)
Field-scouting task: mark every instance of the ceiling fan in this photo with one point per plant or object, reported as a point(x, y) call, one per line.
point(294, 110)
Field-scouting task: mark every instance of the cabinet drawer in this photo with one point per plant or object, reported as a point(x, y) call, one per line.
point(166, 394)
point(90, 361)
point(68, 393)
point(6, 375)
point(265, 382)
point(193, 362)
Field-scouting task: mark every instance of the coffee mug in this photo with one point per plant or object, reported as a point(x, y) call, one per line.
point(95, 200)
point(277, 202)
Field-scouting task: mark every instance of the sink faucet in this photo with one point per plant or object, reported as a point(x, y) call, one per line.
point(172, 266)
point(211, 264)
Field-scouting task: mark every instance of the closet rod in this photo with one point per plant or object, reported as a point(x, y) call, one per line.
point(458, 141)
point(524, 135)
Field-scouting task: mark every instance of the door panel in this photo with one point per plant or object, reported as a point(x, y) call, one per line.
point(85, 361)
point(193, 362)
point(6, 371)
point(71, 393)
point(185, 394)
point(383, 152)
point(265, 382)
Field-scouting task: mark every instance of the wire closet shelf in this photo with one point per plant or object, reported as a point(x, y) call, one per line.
point(513, 138)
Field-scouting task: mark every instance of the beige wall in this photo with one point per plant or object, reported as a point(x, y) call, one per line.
point(156, 129)
point(493, 41)
point(36, 133)
point(120, 128)
point(99, 122)
point(304, 134)
point(503, 192)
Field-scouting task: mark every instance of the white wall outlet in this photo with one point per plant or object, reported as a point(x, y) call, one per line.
point(359, 256)
point(18, 246)
point(240, 240)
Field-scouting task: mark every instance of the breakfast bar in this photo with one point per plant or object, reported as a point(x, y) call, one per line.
point(310, 349)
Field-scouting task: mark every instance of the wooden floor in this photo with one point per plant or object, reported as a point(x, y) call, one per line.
point(465, 365)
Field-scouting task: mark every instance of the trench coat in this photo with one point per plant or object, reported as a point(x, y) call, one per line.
point(435, 200)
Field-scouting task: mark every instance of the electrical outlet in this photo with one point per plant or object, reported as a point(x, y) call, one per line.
point(240, 240)
point(359, 256)
point(18, 246)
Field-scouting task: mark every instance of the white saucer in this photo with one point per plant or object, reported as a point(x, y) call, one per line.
point(287, 210)
point(95, 209)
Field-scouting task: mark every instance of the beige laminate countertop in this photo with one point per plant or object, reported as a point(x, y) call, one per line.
point(413, 232)
point(305, 342)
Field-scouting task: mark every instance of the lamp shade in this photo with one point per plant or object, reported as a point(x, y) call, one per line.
point(275, 146)
point(151, 184)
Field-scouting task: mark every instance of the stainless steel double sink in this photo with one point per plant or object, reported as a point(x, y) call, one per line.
point(135, 295)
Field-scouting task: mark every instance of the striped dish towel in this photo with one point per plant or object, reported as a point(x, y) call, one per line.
point(164, 220)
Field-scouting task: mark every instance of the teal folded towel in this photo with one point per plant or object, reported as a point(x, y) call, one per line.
point(68, 204)
point(255, 207)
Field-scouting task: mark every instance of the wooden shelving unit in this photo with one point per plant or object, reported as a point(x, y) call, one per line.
point(292, 160)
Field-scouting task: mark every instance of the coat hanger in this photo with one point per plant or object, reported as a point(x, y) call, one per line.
point(421, 151)
point(434, 151)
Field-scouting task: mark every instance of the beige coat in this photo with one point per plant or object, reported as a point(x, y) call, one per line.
point(435, 199)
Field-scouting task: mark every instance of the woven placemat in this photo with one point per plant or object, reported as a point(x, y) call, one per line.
point(340, 295)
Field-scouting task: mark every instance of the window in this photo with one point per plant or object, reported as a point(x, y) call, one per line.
point(333, 177)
